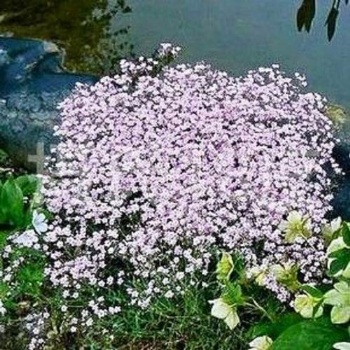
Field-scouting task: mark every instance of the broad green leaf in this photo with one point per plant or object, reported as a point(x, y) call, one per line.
point(30, 278)
point(233, 294)
point(310, 335)
point(340, 263)
point(274, 329)
point(341, 253)
point(3, 238)
point(4, 288)
point(313, 291)
point(346, 234)
point(2, 214)
point(28, 184)
point(11, 202)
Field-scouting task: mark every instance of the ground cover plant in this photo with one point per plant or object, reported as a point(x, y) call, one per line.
point(162, 171)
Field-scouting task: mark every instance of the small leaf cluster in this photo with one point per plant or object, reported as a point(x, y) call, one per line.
point(306, 14)
point(17, 201)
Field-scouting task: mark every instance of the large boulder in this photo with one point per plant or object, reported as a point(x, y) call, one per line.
point(341, 153)
point(32, 83)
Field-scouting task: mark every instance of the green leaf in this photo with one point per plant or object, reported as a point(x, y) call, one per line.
point(274, 329)
point(3, 239)
point(331, 22)
point(346, 234)
point(4, 289)
point(2, 214)
point(340, 263)
point(314, 292)
point(11, 202)
point(233, 294)
point(339, 253)
point(310, 335)
point(28, 184)
point(306, 14)
point(30, 278)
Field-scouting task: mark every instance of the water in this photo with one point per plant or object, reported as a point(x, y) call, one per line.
point(240, 35)
point(231, 35)
point(82, 28)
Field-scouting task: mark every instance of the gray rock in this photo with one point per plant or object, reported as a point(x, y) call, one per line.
point(32, 83)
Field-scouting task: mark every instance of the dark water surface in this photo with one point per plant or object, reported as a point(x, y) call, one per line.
point(231, 35)
point(240, 35)
point(82, 28)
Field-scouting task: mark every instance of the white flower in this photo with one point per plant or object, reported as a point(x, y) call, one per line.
point(295, 226)
point(329, 229)
point(26, 239)
point(304, 305)
point(261, 343)
point(342, 346)
point(169, 294)
point(225, 267)
point(39, 222)
point(287, 274)
point(225, 312)
point(339, 297)
point(64, 308)
point(2, 309)
point(259, 274)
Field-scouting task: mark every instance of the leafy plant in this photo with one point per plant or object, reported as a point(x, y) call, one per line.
point(323, 330)
point(306, 14)
point(16, 204)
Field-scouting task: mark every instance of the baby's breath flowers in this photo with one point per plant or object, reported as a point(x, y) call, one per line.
point(154, 173)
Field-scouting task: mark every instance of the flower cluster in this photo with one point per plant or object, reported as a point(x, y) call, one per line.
point(166, 49)
point(152, 175)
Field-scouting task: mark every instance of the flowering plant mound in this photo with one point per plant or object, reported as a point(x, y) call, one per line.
point(153, 174)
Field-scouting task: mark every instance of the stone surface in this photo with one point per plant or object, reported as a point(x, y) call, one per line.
point(341, 202)
point(32, 82)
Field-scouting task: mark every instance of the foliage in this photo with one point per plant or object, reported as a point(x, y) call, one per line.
point(16, 201)
point(21, 265)
point(322, 331)
point(307, 11)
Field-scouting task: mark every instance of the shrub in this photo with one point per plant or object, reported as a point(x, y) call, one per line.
point(154, 173)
